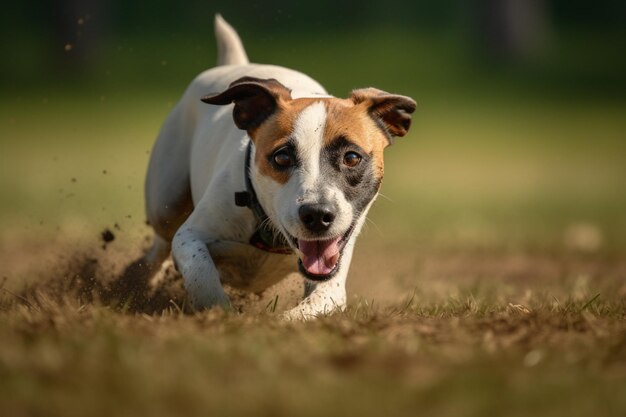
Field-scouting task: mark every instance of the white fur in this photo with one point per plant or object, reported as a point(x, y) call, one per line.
point(306, 185)
point(308, 133)
point(211, 247)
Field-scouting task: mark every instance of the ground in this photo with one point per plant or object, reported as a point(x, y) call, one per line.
point(490, 279)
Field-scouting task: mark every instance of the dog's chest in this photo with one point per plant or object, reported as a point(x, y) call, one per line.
point(245, 267)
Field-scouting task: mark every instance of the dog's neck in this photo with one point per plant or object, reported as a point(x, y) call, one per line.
point(266, 237)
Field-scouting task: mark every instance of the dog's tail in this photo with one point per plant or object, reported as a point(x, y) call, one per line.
point(230, 50)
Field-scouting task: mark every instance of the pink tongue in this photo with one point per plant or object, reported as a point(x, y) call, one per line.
point(319, 257)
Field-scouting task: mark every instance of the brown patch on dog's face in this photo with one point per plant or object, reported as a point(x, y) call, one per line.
point(274, 134)
point(264, 107)
point(267, 138)
point(348, 121)
point(344, 120)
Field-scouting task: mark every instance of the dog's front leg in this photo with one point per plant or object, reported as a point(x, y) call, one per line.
point(200, 275)
point(324, 297)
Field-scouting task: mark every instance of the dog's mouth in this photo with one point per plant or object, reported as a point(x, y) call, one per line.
point(319, 259)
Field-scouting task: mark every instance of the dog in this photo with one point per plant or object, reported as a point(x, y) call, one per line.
point(258, 172)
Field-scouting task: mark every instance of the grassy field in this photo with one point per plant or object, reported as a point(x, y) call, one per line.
point(490, 280)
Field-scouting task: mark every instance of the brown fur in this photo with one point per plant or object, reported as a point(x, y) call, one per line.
point(344, 119)
point(266, 110)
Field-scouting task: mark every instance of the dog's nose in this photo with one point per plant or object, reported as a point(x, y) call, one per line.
point(316, 217)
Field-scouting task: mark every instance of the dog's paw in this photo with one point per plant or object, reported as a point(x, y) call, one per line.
point(310, 311)
point(297, 314)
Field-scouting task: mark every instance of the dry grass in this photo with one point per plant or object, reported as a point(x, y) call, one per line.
point(473, 338)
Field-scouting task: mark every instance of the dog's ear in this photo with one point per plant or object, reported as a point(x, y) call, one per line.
point(391, 112)
point(255, 100)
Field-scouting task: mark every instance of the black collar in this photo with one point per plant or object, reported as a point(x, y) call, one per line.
point(265, 237)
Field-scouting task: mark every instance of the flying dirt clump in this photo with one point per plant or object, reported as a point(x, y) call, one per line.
point(107, 236)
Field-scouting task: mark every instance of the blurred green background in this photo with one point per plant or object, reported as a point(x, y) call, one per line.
point(518, 140)
point(503, 211)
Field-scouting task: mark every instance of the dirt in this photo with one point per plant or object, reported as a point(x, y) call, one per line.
point(489, 330)
point(107, 236)
point(95, 273)
point(108, 271)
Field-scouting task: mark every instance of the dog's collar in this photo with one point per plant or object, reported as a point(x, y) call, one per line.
point(265, 236)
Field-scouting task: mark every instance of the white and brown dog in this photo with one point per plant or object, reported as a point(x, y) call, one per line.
point(286, 186)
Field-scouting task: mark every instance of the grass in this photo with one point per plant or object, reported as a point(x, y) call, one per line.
point(489, 280)
point(460, 356)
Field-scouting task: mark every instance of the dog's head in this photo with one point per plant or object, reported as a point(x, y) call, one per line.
point(318, 162)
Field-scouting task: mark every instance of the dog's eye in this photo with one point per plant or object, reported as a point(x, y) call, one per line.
point(283, 159)
point(351, 159)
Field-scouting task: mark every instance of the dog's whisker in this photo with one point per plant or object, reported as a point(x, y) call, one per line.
point(274, 229)
point(370, 221)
